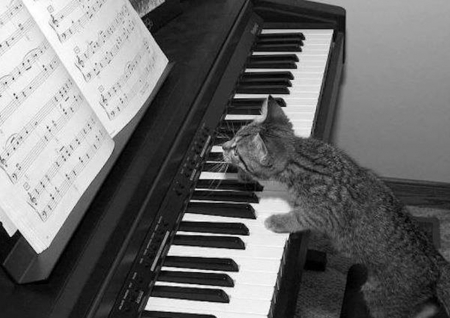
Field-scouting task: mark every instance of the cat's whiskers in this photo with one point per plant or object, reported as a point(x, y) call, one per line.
point(220, 167)
point(230, 126)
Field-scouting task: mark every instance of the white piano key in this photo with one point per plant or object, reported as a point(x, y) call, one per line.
point(253, 252)
point(306, 32)
point(246, 277)
point(255, 239)
point(273, 204)
point(292, 96)
point(218, 175)
point(200, 310)
point(236, 305)
point(294, 93)
point(312, 58)
point(244, 264)
point(304, 133)
point(297, 100)
point(291, 109)
point(314, 65)
point(255, 226)
point(296, 117)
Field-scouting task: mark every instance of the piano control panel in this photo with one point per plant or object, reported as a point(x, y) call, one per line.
point(148, 261)
point(190, 170)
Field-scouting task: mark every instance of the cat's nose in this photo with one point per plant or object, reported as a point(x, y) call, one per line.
point(227, 145)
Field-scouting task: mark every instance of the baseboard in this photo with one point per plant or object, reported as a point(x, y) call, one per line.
point(421, 193)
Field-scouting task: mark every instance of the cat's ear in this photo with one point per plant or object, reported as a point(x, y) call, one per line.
point(260, 149)
point(272, 112)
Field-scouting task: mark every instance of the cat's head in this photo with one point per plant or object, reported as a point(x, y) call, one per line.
point(260, 148)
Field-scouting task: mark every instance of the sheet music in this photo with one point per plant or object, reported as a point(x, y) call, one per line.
point(7, 224)
point(52, 144)
point(108, 51)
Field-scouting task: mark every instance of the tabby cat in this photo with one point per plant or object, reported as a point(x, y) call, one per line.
point(332, 194)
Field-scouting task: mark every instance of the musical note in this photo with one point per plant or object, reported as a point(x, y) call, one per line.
point(76, 24)
point(21, 96)
point(127, 27)
point(103, 36)
point(52, 126)
point(45, 196)
point(129, 70)
point(127, 91)
point(27, 63)
point(66, 11)
point(16, 36)
point(13, 10)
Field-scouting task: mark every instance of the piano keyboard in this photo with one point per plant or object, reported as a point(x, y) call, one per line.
point(223, 262)
point(307, 73)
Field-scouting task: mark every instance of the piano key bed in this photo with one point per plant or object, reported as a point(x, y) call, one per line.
point(223, 262)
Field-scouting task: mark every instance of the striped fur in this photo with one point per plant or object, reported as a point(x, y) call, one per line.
point(333, 195)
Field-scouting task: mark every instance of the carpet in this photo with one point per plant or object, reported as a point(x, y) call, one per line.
point(321, 293)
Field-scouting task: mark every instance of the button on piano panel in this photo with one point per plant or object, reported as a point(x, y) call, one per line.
point(147, 262)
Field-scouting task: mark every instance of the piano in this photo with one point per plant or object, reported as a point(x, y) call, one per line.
point(172, 233)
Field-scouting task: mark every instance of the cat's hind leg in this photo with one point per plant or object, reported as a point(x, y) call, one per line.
point(394, 303)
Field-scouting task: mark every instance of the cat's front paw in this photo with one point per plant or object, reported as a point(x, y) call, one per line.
point(277, 223)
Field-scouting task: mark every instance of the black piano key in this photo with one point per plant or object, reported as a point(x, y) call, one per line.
point(215, 167)
point(254, 102)
point(218, 141)
point(232, 210)
point(274, 58)
point(258, 82)
point(262, 89)
point(162, 314)
point(202, 263)
point(266, 76)
point(228, 196)
point(215, 156)
point(277, 47)
point(233, 124)
point(214, 227)
point(229, 184)
point(221, 139)
point(274, 37)
point(197, 278)
point(191, 293)
point(276, 61)
point(244, 110)
point(228, 242)
point(247, 102)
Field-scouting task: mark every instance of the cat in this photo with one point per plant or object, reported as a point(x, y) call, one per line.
point(333, 195)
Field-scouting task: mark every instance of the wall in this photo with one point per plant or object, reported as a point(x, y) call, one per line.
point(394, 108)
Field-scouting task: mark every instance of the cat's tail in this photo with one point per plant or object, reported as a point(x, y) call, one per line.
point(443, 287)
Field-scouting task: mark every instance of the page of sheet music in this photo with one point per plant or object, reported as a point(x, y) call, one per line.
point(52, 144)
point(107, 49)
point(7, 224)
